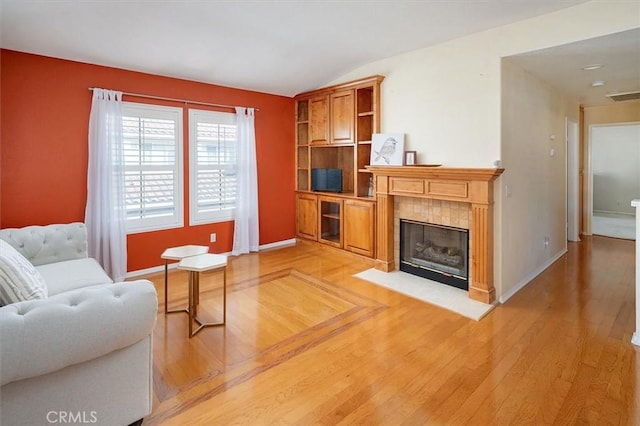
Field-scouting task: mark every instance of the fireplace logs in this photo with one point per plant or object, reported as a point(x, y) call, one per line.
point(450, 256)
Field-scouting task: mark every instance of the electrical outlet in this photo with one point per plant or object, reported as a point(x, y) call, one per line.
point(213, 238)
point(546, 242)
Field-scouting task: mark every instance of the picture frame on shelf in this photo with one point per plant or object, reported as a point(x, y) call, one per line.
point(387, 149)
point(409, 158)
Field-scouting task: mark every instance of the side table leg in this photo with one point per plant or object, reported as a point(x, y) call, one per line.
point(191, 304)
point(224, 295)
point(166, 292)
point(196, 293)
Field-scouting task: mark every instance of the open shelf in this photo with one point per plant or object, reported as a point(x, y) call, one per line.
point(330, 220)
point(331, 216)
point(302, 113)
point(332, 238)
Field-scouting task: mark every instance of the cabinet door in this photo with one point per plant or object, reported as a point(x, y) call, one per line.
point(307, 217)
point(319, 120)
point(342, 117)
point(359, 234)
point(330, 221)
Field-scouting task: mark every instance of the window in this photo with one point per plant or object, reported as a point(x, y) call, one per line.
point(212, 165)
point(153, 166)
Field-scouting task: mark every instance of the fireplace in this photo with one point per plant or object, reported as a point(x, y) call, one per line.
point(436, 252)
point(472, 186)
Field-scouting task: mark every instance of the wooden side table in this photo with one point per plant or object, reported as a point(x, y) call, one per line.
point(178, 253)
point(203, 263)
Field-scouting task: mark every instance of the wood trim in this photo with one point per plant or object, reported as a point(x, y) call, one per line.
point(404, 186)
point(446, 173)
point(481, 287)
point(447, 189)
point(474, 186)
point(376, 79)
point(384, 238)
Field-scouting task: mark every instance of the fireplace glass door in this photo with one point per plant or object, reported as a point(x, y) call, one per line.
point(436, 252)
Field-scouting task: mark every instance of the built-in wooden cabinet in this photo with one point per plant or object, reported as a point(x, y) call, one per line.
point(359, 226)
point(342, 222)
point(319, 120)
point(307, 216)
point(342, 117)
point(334, 128)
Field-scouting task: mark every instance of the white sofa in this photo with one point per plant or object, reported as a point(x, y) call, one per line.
point(82, 354)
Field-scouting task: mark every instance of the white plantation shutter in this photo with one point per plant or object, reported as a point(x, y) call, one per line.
point(212, 164)
point(153, 166)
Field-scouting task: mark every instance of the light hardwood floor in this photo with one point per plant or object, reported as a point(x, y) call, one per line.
point(307, 343)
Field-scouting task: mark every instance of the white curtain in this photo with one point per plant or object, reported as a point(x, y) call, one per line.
point(246, 232)
point(105, 215)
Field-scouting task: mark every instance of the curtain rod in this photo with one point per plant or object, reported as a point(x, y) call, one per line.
point(185, 101)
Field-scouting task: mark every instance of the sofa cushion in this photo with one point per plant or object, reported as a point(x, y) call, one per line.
point(48, 243)
point(42, 336)
point(72, 274)
point(19, 279)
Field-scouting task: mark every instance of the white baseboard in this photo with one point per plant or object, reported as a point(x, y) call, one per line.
point(278, 244)
point(148, 271)
point(173, 265)
point(636, 338)
point(531, 276)
point(607, 212)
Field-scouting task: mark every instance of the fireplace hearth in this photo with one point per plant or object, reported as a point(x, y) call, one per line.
point(436, 252)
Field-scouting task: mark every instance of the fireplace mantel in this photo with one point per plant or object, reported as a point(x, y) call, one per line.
point(466, 185)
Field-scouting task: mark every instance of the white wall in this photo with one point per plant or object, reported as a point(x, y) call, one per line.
point(534, 156)
point(615, 164)
point(447, 100)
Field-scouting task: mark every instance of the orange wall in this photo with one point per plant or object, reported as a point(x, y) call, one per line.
point(44, 121)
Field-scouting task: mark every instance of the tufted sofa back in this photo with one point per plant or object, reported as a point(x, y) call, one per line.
point(49, 243)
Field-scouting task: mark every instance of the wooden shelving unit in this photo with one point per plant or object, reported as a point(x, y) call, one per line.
point(334, 129)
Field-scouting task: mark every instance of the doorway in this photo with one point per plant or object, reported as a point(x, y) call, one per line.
point(614, 177)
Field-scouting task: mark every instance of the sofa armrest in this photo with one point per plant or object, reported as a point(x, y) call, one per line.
point(48, 243)
point(41, 336)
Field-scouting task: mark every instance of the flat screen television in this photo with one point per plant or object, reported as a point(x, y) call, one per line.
point(326, 180)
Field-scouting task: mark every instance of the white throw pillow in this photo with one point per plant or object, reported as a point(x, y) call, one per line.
point(19, 279)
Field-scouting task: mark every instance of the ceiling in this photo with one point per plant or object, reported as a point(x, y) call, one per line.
point(283, 47)
point(561, 66)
